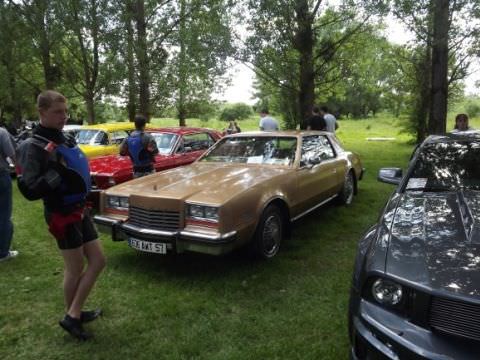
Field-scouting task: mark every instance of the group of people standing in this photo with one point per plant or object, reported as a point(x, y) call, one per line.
point(321, 119)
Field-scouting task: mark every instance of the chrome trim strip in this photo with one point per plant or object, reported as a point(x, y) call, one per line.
point(105, 220)
point(140, 230)
point(213, 221)
point(313, 208)
point(197, 235)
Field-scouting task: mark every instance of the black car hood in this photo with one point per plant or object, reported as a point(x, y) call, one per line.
point(435, 241)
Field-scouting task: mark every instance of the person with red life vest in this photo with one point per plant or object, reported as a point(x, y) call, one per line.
point(141, 147)
point(53, 168)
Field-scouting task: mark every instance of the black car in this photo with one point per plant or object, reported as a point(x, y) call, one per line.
point(416, 284)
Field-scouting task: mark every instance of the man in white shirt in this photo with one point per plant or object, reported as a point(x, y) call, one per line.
point(267, 123)
point(330, 120)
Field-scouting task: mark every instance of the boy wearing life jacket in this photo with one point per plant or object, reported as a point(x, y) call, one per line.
point(141, 147)
point(51, 167)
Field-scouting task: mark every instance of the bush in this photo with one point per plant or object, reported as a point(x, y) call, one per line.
point(473, 109)
point(237, 111)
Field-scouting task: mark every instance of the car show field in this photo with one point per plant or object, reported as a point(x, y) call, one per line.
point(195, 306)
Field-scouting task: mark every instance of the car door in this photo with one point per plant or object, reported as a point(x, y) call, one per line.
point(317, 174)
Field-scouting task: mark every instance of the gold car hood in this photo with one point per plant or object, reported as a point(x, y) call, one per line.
point(208, 183)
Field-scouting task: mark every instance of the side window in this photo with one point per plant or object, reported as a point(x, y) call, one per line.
point(326, 150)
point(118, 136)
point(315, 149)
point(195, 142)
point(101, 138)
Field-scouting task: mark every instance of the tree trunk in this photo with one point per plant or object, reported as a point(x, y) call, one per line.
point(182, 71)
point(439, 95)
point(143, 61)
point(48, 71)
point(90, 103)
point(304, 45)
point(131, 86)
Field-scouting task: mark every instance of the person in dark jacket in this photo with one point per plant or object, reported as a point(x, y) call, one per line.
point(141, 147)
point(7, 153)
point(53, 168)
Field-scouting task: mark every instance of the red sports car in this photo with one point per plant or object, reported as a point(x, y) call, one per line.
point(177, 146)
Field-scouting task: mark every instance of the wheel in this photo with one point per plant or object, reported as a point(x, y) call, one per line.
point(345, 195)
point(269, 233)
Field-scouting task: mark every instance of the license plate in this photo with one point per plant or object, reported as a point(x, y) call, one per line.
point(147, 246)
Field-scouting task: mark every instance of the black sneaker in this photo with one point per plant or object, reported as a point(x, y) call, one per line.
point(90, 315)
point(74, 327)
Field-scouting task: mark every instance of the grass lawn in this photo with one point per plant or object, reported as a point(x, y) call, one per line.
point(201, 307)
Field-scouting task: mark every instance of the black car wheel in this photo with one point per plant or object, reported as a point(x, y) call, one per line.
point(348, 189)
point(269, 233)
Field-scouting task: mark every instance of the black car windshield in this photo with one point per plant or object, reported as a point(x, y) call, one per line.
point(165, 142)
point(274, 150)
point(446, 166)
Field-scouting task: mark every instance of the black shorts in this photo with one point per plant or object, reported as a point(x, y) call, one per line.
point(78, 233)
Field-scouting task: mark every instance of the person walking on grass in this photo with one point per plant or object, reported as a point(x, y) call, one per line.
point(53, 168)
point(7, 151)
point(141, 147)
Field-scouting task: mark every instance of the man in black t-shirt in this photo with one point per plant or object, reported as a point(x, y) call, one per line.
point(316, 121)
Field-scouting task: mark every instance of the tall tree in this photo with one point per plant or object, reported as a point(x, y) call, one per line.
point(44, 33)
point(290, 46)
point(438, 109)
point(448, 31)
point(200, 49)
point(20, 78)
point(84, 39)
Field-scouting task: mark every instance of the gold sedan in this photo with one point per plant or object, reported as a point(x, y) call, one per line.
point(246, 189)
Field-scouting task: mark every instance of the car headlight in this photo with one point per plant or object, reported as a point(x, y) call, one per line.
point(202, 212)
point(387, 292)
point(117, 202)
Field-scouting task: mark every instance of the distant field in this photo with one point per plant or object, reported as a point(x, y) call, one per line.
point(200, 307)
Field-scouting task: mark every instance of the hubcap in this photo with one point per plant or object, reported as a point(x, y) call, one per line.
point(272, 233)
point(348, 189)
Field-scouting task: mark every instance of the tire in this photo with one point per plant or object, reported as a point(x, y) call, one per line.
point(345, 195)
point(269, 233)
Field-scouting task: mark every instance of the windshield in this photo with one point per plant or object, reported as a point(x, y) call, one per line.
point(254, 150)
point(91, 137)
point(165, 142)
point(447, 166)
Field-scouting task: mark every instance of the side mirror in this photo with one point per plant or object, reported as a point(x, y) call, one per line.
point(187, 149)
point(390, 175)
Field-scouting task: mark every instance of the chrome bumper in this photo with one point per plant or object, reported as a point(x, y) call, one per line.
point(177, 241)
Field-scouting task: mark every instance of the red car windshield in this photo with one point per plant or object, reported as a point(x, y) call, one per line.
point(165, 142)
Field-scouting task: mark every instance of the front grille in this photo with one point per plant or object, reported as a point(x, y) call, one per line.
point(455, 317)
point(154, 219)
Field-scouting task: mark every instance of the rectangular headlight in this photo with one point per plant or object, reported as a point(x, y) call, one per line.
point(117, 202)
point(202, 212)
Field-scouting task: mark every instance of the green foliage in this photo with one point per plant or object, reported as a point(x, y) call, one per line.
point(237, 111)
point(473, 108)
